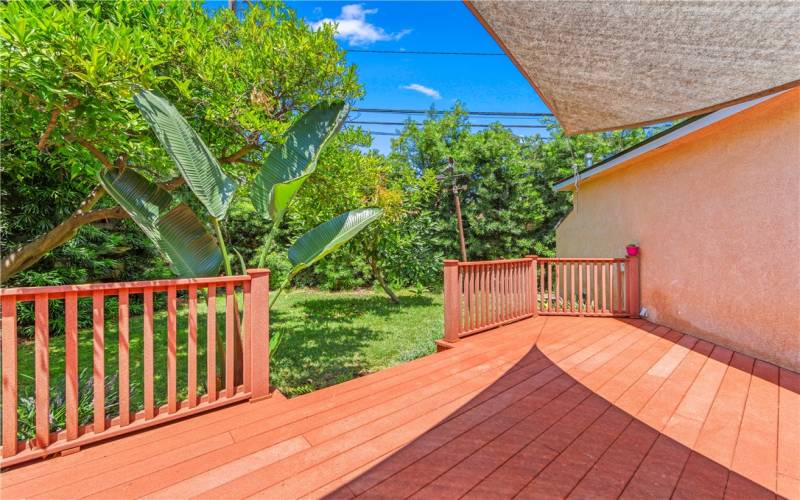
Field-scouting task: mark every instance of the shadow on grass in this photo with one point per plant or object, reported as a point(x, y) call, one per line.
point(325, 339)
point(344, 309)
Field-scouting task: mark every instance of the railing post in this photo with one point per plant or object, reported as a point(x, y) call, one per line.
point(259, 333)
point(9, 356)
point(452, 301)
point(532, 283)
point(632, 279)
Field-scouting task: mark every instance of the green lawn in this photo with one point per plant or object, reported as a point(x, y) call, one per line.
point(328, 338)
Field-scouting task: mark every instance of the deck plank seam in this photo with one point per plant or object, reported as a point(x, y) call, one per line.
point(473, 426)
point(432, 396)
point(374, 437)
point(566, 447)
point(464, 431)
point(146, 458)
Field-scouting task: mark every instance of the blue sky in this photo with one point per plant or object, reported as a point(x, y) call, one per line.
point(419, 81)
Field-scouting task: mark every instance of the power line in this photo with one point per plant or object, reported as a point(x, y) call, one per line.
point(374, 132)
point(438, 112)
point(480, 125)
point(426, 52)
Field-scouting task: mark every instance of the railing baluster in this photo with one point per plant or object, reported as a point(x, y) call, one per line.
point(147, 343)
point(560, 302)
point(581, 294)
point(248, 342)
point(123, 357)
point(538, 297)
point(603, 273)
point(588, 285)
point(620, 303)
point(611, 290)
point(9, 356)
point(507, 287)
point(42, 367)
point(71, 363)
point(191, 351)
point(229, 374)
point(572, 286)
point(481, 295)
point(172, 350)
point(98, 361)
point(211, 344)
point(596, 292)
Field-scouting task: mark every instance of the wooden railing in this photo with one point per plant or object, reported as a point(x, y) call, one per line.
point(220, 383)
point(486, 294)
point(584, 287)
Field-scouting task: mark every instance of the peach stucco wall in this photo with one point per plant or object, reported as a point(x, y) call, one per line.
point(717, 215)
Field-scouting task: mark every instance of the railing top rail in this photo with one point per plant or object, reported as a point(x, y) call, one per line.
point(492, 262)
point(580, 259)
point(26, 293)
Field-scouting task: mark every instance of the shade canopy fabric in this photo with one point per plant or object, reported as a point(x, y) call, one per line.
point(606, 65)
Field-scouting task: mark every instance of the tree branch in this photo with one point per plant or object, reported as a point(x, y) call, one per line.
point(91, 148)
point(237, 156)
point(173, 183)
point(51, 125)
point(32, 98)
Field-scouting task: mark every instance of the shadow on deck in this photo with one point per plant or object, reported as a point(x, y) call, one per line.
point(550, 408)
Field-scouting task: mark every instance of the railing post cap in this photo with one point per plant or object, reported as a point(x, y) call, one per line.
point(257, 272)
point(450, 262)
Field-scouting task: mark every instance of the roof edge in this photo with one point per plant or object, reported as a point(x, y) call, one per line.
point(660, 140)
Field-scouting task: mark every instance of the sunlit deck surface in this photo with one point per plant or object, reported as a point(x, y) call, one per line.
point(547, 407)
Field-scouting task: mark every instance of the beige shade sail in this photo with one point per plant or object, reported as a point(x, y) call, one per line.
point(606, 65)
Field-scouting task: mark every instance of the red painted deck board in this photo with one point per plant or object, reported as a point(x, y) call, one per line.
point(543, 408)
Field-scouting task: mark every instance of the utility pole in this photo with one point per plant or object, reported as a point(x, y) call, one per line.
point(456, 198)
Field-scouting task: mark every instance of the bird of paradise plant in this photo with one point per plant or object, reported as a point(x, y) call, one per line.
point(181, 236)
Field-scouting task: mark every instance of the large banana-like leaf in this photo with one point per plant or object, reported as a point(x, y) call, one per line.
point(288, 166)
point(143, 200)
point(197, 165)
point(190, 249)
point(328, 236)
point(178, 233)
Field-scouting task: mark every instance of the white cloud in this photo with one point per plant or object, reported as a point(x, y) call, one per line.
point(422, 89)
point(353, 27)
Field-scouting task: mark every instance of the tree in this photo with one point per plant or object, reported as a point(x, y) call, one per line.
point(71, 69)
point(350, 175)
point(182, 237)
point(506, 182)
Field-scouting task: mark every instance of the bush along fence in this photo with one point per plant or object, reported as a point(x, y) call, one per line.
point(486, 294)
point(234, 370)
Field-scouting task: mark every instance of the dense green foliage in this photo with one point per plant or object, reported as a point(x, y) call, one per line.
point(504, 181)
point(70, 69)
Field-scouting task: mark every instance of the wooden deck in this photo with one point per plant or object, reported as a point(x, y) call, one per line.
point(547, 407)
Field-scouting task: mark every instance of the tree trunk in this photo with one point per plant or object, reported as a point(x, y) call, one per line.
point(376, 272)
point(30, 253)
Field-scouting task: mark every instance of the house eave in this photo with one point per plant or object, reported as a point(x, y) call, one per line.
point(664, 138)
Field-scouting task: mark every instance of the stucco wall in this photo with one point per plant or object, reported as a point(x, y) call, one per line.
point(717, 215)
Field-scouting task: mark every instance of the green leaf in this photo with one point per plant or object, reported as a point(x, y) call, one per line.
point(197, 165)
point(178, 234)
point(328, 236)
point(289, 165)
point(187, 245)
point(143, 200)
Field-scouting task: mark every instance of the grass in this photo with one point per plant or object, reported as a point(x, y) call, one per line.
point(328, 338)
